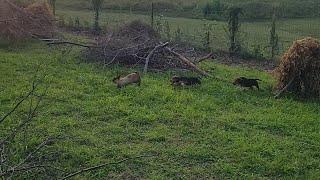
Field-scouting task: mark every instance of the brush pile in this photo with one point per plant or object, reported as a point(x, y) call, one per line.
point(131, 45)
point(18, 22)
point(299, 70)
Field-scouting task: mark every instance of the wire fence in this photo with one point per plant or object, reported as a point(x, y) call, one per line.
point(207, 33)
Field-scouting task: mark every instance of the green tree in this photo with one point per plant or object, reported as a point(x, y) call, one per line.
point(97, 6)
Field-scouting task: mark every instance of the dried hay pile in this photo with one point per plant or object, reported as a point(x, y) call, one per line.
point(17, 22)
point(299, 70)
point(130, 45)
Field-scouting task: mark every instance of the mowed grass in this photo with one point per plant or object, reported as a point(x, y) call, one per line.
point(215, 130)
point(254, 35)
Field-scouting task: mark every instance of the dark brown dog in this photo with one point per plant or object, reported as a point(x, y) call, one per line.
point(184, 81)
point(246, 82)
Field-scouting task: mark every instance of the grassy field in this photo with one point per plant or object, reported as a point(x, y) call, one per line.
point(254, 33)
point(194, 8)
point(214, 130)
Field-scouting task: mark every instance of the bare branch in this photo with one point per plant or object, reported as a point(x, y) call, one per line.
point(34, 86)
point(29, 156)
point(29, 118)
point(72, 43)
point(209, 56)
point(188, 62)
point(279, 93)
point(27, 168)
point(151, 54)
point(103, 165)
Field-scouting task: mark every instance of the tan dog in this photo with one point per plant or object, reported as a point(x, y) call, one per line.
point(133, 78)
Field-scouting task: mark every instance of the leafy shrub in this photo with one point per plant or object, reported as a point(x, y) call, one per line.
point(215, 10)
point(257, 10)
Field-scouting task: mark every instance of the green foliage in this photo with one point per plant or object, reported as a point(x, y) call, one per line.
point(215, 10)
point(97, 6)
point(159, 24)
point(215, 130)
point(207, 35)
point(274, 38)
point(257, 10)
point(152, 15)
point(61, 21)
point(210, 8)
point(254, 52)
point(167, 30)
point(70, 23)
point(234, 30)
point(77, 23)
point(178, 35)
point(251, 33)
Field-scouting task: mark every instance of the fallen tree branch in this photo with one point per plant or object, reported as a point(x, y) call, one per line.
point(103, 165)
point(29, 156)
point(151, 54)
point(30, 116)
point(188, 62)
point(279, 93)
point(34, 86)
point(28, 168)
point(72, 43)
point(209, 56)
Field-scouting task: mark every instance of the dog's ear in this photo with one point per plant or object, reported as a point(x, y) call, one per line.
point(116, 78)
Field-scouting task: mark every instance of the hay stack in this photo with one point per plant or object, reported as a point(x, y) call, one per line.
point(17, 22)
point(299, 70)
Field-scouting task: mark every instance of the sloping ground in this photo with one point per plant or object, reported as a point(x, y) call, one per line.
point(212, 131)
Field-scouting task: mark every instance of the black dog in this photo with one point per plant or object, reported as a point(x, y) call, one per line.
point(245, 82)
point(185, 81)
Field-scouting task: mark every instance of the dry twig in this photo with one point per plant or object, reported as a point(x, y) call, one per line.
point(103, 165)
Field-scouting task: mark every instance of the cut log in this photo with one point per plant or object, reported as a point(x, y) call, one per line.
point(188, 62)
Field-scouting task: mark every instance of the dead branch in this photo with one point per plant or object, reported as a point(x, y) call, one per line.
point(31, 114)
point(103, 165)
point(28, 168)
point(72, 43)
point(189, 63)
point(34, 86)
point(151, 54)
point(279, 93)
point(209, 56)
point(30, 155)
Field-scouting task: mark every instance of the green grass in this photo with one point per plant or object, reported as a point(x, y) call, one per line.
point(214, 130)
point(253, 33)
point(193, 8)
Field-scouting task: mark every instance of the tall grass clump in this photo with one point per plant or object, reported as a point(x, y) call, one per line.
point(274, 38)
point(97, 6)
point(234, 30)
